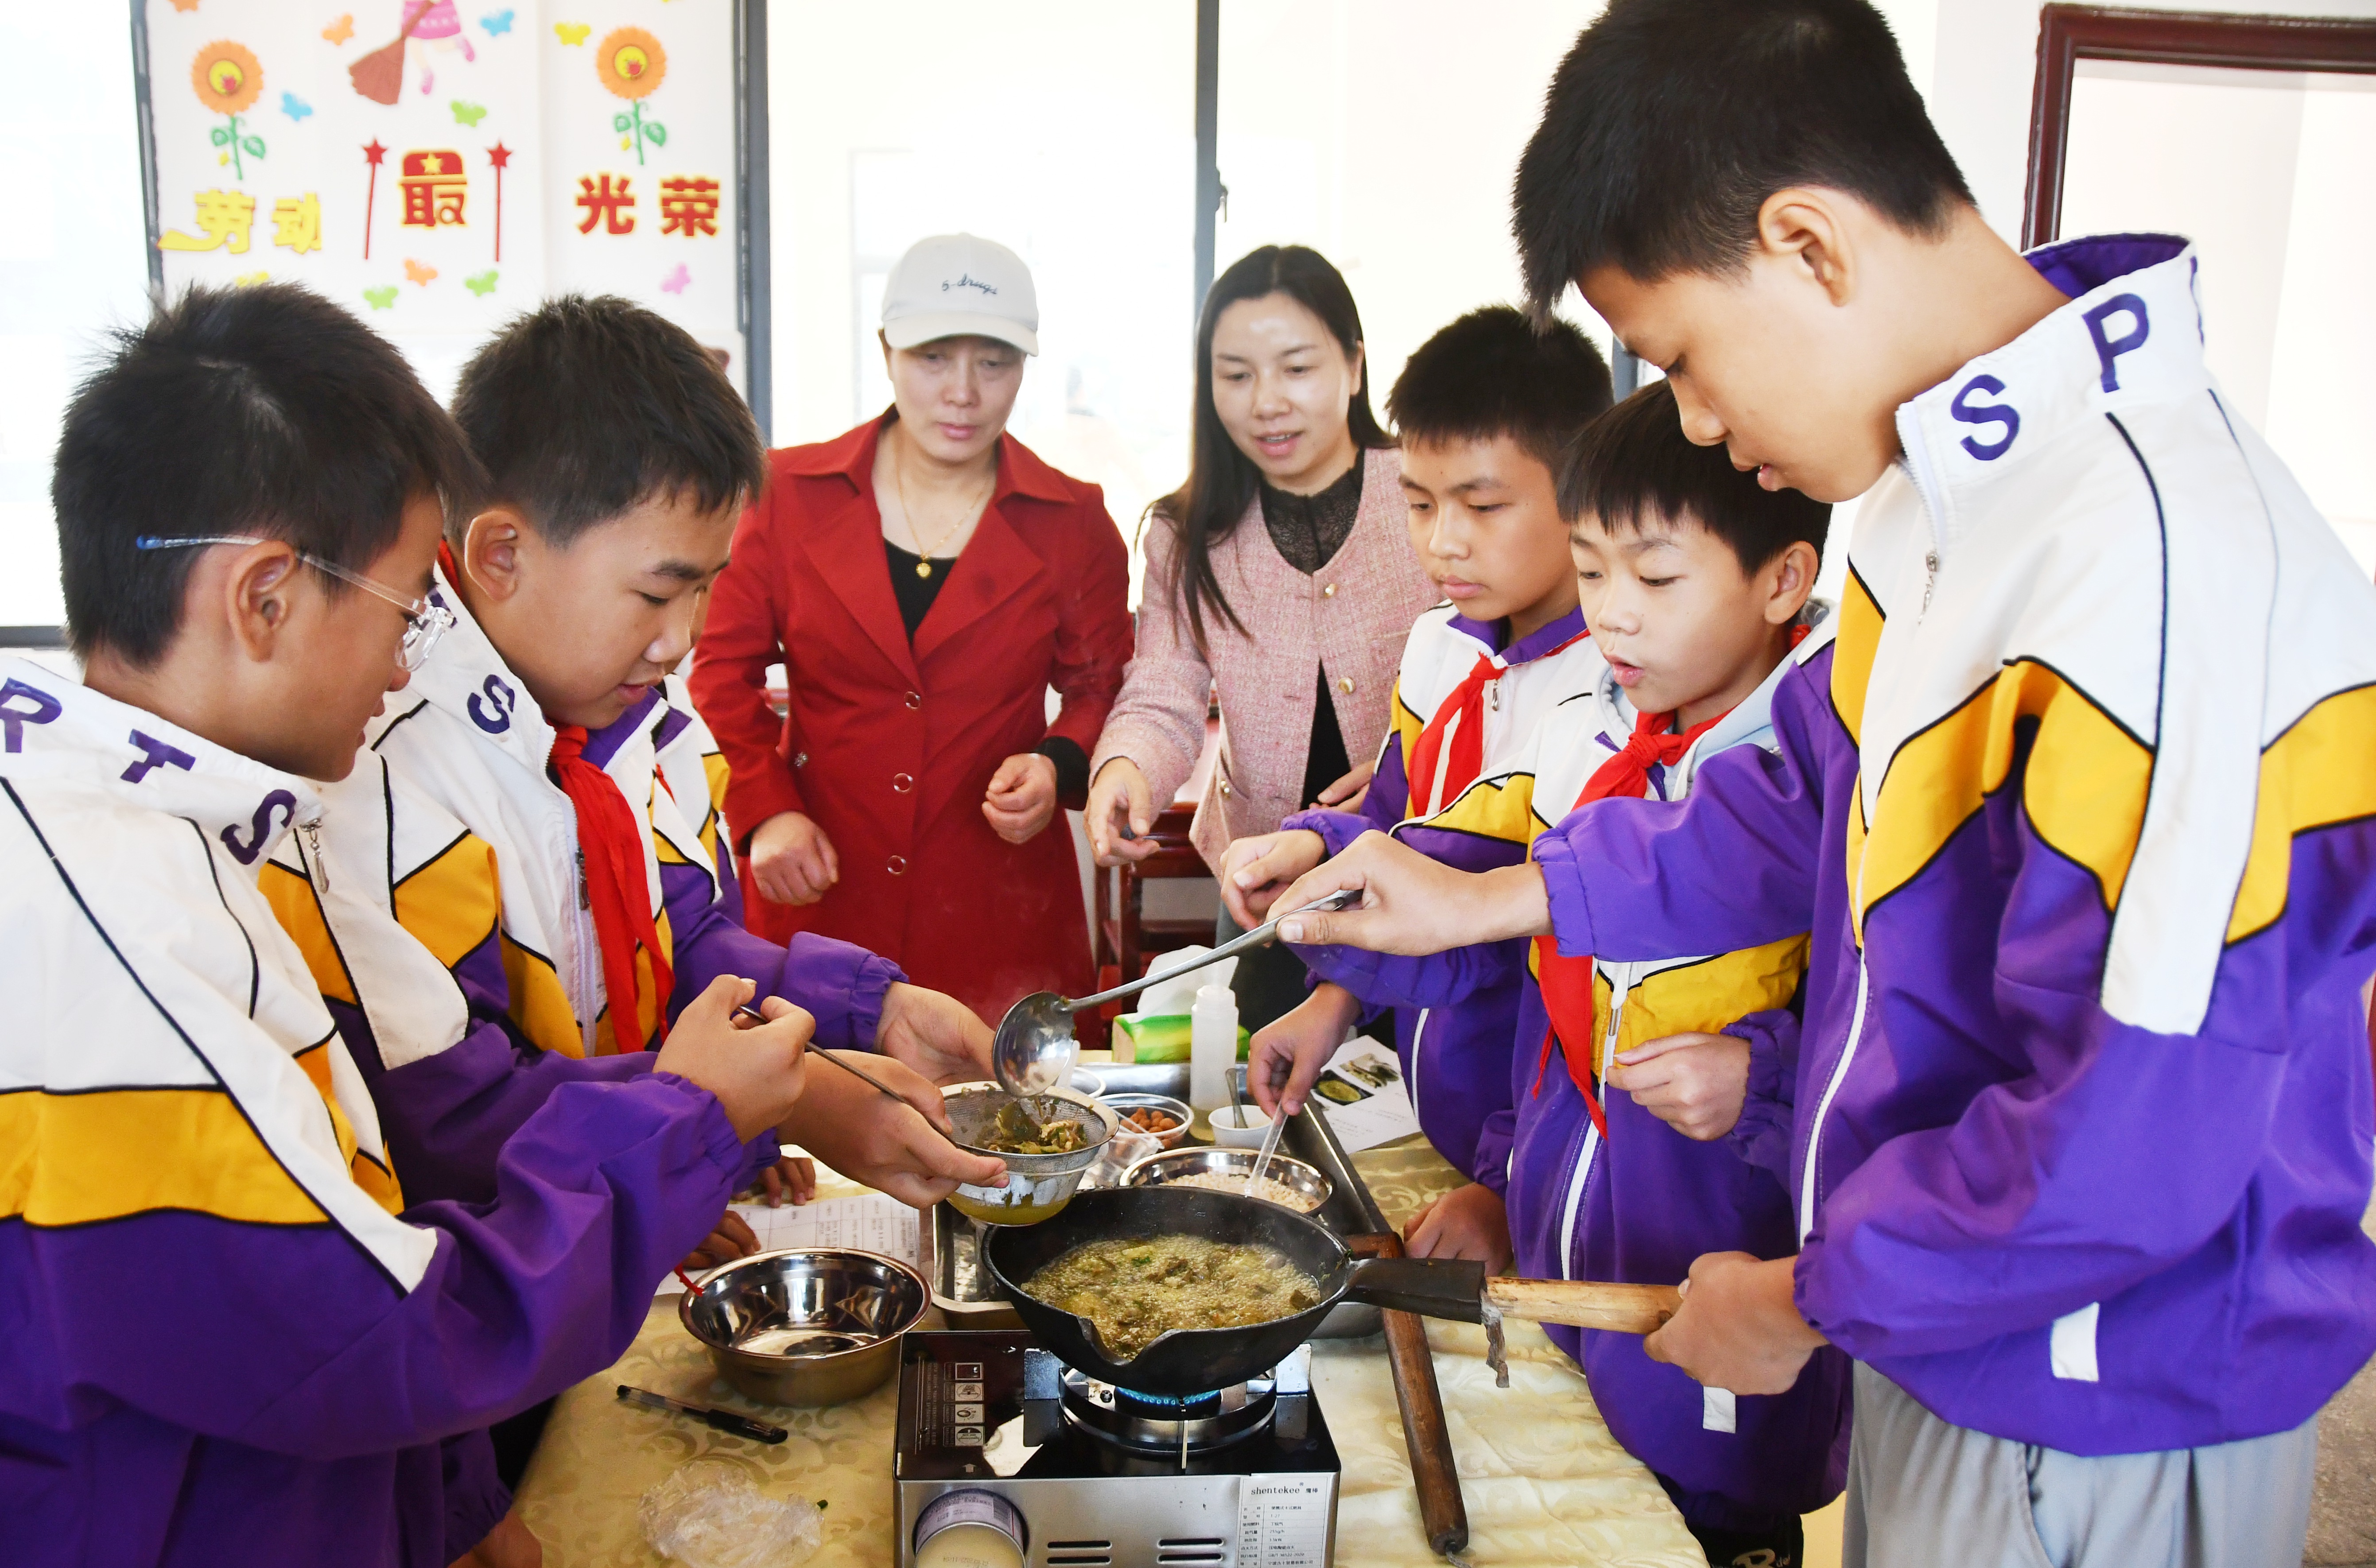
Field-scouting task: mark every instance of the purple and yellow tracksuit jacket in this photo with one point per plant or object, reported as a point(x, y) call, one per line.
point(2081, 806)
point(226, 1333)
point(473, 849)
point(1641, 1202)
point(1453, 1013)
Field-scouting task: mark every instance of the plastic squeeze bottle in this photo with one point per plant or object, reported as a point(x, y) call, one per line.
point(1212, 1046)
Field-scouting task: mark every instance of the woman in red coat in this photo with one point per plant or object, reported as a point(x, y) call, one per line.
point(925, 580)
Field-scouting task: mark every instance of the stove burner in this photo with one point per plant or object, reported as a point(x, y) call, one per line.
point(1162, 1423)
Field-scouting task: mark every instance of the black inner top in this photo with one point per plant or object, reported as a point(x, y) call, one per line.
point(1308, 531)
point(916, 594)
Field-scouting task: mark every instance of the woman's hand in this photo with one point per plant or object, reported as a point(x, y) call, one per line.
point(1345, 795)
point(1021, 798)
point(934, 1034)
point(1286, 1056)
point(1693, 1083)
point(1121, 814)
point(1256, 870)
point(792, 861)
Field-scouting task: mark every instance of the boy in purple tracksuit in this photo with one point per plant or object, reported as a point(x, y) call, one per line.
point(226, 1335)
point(2077, 801)
point(1483, 409)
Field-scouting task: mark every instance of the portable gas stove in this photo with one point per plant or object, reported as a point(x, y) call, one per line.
point(1009, 1459)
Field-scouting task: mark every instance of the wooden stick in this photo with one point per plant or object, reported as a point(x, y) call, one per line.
point(1620, 1309)
point(1440, 1506)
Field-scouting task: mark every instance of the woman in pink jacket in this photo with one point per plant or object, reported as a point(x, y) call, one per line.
point(1279, 577)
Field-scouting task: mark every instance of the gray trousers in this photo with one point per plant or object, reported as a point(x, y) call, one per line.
point(1922, 1491)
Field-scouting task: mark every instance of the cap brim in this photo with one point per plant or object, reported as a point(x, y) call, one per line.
point(910, 330)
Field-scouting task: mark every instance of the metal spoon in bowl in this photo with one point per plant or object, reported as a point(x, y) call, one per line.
point(1033, 1048)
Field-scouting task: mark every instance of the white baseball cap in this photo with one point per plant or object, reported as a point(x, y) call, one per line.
point(959, 285)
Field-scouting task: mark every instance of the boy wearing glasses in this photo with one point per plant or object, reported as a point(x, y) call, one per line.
point(224, 1322)
point(539, 807)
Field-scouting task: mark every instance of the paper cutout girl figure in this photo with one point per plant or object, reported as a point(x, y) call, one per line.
point(438, 32)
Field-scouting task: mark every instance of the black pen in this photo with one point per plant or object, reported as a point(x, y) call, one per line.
point(724, 1420)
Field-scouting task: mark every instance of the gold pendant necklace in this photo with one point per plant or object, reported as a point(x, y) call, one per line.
point(924, 552)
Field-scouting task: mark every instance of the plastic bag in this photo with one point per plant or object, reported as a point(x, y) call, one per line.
point(709, 1514)
point(1125, 1149)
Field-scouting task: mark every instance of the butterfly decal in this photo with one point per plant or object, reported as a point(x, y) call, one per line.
point(677, 278)
point(294, 107)
point(497, 24)
point(380, 299)
point(482, 284)
point(419, 272)
point(341, 29)
point(468, 114)
point(245, 279)
point(572, 32)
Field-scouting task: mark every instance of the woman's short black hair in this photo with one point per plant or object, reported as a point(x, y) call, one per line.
point(587, 406)
point(1671, 121)
point(1635, 466)
point(1222, 480)
point(265, 410)
point(1492, 373)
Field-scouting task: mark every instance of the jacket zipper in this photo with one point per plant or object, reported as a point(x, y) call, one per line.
point(317, 870)
point(584, 942)
point(1617, 992)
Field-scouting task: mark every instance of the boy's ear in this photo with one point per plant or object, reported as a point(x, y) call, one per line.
point(1789, 580)
point(257, 597)
point(1806, 225)
point(490, 551)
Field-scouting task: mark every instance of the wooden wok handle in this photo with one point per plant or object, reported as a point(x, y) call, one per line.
point(1620, 1309)
point(1440, 1506)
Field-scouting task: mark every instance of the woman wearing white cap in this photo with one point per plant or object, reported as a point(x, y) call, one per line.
point(925, 580)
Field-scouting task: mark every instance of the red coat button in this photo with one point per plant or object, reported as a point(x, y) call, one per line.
point(915, 700)
point(903, 783)
point(896, 865)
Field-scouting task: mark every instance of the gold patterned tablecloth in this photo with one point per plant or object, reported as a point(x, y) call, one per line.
point(1545, 1483)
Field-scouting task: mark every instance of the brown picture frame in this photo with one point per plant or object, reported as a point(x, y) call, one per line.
point(2068, 34)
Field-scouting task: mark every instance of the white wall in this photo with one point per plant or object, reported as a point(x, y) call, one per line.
point(73, 263)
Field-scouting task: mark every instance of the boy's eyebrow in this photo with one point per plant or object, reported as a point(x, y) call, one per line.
point(682, 571)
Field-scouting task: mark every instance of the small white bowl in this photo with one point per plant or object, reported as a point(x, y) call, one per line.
point(1083, 1081)
point(1228, 1135)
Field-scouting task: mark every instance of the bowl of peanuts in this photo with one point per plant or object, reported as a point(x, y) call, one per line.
point(1157, 1115)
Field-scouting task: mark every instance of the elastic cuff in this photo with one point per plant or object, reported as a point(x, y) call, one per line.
point(1337, 829)
point(719, 1146)
point(1072, 770)
point(1563, 885)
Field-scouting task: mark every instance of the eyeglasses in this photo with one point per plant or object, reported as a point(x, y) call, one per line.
point(423, 623)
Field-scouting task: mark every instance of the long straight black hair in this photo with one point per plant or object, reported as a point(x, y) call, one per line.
point(1221, 478)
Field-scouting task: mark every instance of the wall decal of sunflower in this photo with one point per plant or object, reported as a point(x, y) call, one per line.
point(632, 63)
point(228, 80)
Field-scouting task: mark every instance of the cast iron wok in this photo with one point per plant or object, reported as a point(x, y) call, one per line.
point(1194, 1360)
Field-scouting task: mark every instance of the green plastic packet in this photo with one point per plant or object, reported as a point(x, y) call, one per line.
point(1161, 1038)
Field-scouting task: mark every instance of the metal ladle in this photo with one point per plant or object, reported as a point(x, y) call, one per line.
point(1033, 1048)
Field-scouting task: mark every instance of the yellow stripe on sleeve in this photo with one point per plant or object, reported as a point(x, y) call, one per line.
point(80, 1159)
point(1501, 808)
point(1852, 651)
point(2317, 774)
point(451, 903)
point(539, 1005)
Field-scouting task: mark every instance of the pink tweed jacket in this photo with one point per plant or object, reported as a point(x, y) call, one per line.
point(1349, 619)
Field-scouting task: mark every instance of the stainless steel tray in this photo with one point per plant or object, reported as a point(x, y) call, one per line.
point(967, 1299)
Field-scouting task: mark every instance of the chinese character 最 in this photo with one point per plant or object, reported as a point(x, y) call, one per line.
point(434, 186)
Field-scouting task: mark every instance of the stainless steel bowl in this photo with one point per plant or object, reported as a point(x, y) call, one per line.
point(1173, 1164)
point(1123, 1104)
point(805, 1325)
point(1037, 1185)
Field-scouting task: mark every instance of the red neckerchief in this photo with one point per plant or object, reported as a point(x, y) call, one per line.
point(1466, 703)
point(1566, 983)
point(611, 849)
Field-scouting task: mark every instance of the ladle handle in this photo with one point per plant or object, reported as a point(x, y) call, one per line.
point(1229, 949)
point(1579, 1303)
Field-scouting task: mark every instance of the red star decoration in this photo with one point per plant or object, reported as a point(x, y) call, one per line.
point(499, 155)
point(373, 152)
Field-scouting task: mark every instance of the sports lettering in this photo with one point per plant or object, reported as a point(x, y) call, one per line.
point(154, 754)
point(2109, 350)
point(13, 720)
point(2001, 414)
point(493, 716)
point(260, 828)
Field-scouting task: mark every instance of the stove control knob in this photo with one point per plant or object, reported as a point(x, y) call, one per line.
point(970, 1529)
